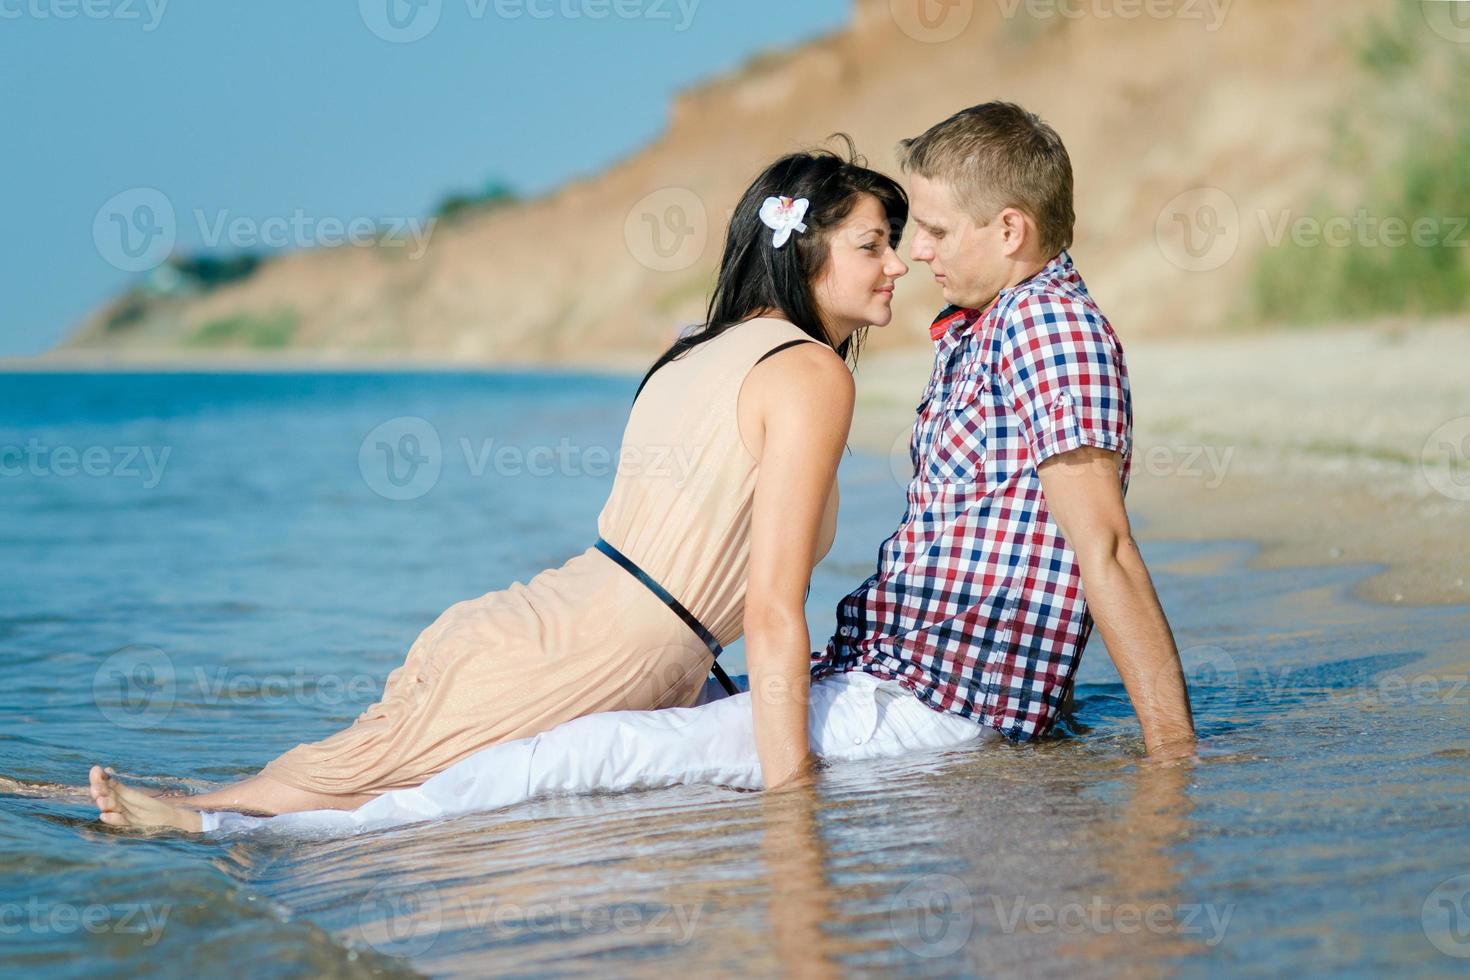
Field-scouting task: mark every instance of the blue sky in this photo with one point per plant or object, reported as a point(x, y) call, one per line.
point(276, 107)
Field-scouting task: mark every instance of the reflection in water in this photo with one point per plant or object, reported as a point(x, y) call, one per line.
point(975, 861)
point(1323, 828)
point(800, 900)
point(1009, 857)
point(969, 861)
point(1139, 911)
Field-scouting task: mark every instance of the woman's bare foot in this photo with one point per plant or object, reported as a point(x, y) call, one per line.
point(124, 806)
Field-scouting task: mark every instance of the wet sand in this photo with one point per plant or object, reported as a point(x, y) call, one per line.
point(1311, 443)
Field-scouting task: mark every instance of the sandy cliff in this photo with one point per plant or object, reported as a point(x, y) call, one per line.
point(1237, 96)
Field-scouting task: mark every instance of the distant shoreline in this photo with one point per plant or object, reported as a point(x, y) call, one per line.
point(302, 362)
point(1307, 442)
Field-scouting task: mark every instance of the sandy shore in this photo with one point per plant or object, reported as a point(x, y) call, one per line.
point(1325, 446)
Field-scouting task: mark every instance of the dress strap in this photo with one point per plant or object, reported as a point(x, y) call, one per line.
point(705, 636)
point(774, 350)
point(778, 349)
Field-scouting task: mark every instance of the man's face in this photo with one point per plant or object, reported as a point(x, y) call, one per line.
point(968, 260)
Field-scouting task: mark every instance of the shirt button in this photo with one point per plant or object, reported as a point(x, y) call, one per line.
point(857, 741)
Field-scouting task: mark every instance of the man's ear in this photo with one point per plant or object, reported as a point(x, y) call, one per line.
point(1016, 230)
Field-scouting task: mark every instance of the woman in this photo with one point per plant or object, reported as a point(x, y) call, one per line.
point(738, 428)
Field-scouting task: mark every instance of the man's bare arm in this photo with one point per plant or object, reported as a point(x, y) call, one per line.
point(1085, 496)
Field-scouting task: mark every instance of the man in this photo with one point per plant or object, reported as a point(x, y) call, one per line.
point(973, 625)
point(1022, 451)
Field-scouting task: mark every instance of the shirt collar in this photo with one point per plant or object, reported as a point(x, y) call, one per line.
point(960, 319)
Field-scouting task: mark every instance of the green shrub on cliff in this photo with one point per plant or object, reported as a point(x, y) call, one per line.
point(494, 194)
point(250, 330)
point(1404, 247)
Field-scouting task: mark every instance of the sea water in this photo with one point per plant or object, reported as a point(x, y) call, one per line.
point(202, 570)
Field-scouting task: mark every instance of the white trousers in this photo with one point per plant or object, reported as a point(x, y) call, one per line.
point(852, 716)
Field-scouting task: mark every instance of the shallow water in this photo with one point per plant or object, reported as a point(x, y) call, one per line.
point(187, 622)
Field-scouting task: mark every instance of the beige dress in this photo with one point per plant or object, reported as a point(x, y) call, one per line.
point(586, 636)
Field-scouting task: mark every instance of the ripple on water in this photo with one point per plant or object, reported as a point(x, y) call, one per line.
point(1326, 806)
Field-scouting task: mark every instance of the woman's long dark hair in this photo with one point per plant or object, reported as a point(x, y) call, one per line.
point(756, 276)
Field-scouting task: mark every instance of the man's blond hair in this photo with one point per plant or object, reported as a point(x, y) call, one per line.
point(996, 156)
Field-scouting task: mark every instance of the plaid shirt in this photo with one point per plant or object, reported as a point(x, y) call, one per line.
point(977, 602)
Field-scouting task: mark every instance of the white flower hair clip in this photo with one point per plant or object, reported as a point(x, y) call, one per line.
point(784, 214)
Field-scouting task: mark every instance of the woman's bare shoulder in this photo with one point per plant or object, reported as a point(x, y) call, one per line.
point(814, 361)
point(803, 371)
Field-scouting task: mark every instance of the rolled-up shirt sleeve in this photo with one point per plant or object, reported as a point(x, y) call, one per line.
point(1067, 382)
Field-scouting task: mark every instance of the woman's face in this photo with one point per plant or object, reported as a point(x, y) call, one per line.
point(855, 287)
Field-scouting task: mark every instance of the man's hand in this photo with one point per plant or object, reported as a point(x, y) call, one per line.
point(1084, 493)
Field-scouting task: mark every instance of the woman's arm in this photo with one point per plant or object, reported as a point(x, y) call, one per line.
point(803, 401)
